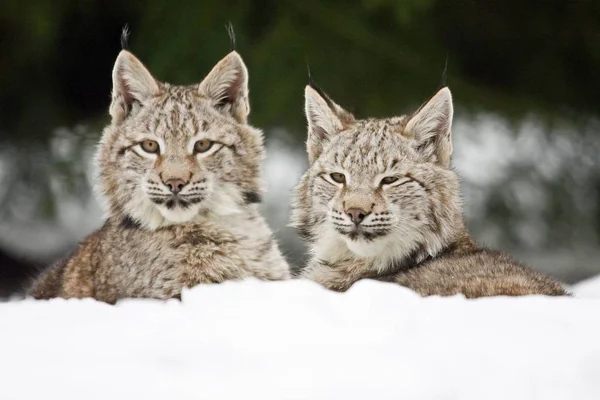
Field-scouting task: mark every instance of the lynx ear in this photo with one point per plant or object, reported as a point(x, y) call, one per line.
point(131, 82)
point(325, 119)
point(227, 86)
point(431, 127)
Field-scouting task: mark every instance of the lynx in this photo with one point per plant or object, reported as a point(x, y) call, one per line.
point(179, 171)
point(380, 200)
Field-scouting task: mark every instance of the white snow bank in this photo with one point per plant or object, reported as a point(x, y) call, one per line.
point(295, 340)
point(590, 288)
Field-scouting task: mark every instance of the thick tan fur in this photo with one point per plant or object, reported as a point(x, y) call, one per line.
point(156, 242)
point(397, 173)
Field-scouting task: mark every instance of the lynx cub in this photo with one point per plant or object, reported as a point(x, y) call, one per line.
point(381, 201)
point(179, 170)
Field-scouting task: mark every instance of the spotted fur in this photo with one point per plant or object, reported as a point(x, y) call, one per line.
point(381, 201)
point(177, 216)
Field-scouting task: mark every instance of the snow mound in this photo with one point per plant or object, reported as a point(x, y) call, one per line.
point(295, 340)
point(590, 288)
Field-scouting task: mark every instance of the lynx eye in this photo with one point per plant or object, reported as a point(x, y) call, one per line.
point(337, 177)
point(150, 146)
point(202, 146)
point(388, 180)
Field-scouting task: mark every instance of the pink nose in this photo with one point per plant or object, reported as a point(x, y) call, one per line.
point(175, 185)
point(357, 215)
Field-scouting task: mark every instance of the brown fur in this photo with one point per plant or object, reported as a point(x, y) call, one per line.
point(464, 268)
point(156, 242)
point(413, 231)
point(106, 265)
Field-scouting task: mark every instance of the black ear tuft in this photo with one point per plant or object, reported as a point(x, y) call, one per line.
point(311, 83)
point(445, 72)
point(231, 34)
point(125, 38)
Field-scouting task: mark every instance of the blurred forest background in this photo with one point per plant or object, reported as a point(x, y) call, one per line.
point(524, 75)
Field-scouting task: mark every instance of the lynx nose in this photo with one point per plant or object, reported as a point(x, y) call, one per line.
point(175, 185)
point(357, 215)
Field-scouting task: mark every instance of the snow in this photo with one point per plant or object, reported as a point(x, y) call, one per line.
point(295, 340)
point(589, 288)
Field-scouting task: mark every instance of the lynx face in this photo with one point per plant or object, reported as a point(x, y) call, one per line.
point(377, 186)
point(174, 152)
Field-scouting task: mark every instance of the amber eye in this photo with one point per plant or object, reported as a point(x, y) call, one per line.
point(150, 146)
point(389, 180)
point(202, 146)
point(337, 177)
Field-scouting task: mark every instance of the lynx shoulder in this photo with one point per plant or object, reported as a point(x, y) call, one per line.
point(380, 200)
point(179, 173)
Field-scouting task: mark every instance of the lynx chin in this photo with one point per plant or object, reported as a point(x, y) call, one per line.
point(179, 172)
point(381, 201)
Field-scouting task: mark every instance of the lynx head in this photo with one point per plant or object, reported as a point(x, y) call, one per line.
point(377, 188)
point(172, 153)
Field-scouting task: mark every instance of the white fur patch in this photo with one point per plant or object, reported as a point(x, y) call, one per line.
point(178, 215)
point(367, 249)
point(225, 199)
point(379, 253)
point(144, 211)
point(331, 245)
